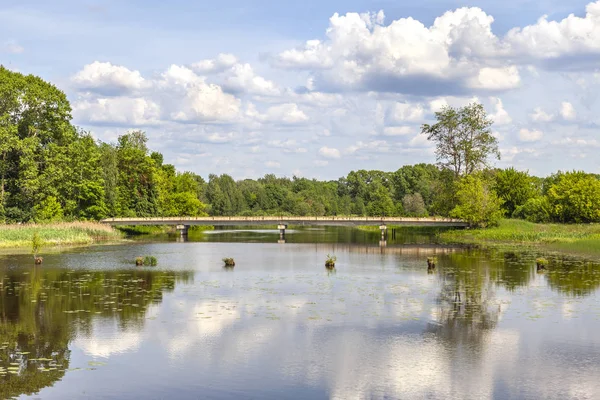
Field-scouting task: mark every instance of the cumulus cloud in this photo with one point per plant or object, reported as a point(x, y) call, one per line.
point(223, 62)
point(526, 135)
point(401, 112)
point(567, 111)
point(287, 113)
point(243, 79)
point(405, 56)
point(571, 43)
point(329, 152)
point(121, 111)
point(397, 130)
point(500, 116)
point(108, 79)
point(540, 115)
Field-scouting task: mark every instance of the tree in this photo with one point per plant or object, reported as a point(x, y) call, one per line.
point(478, 204)
point(575, 197)
point(414, 205)
point(514, 188)
point(463, 138)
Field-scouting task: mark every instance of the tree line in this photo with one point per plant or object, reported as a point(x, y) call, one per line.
point(51, 170)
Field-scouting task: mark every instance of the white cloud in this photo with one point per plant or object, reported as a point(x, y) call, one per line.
point(212, 66)
point(287, 113)
point(328, 152)
point(107, 78)
point(243, 79)
point(496, 78)
point(361, 53)
point(321, 163)
point(117, 111)
point(540, 115)
point(272, 164)
point(551, 40)
point(567, 111)
point(397, 130)
point(500, 117)
point(526, 135)
point(406, 112)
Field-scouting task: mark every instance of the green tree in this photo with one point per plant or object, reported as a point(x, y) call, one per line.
point(414, 205)
point(463, 138)
point(48, 210)
point(575, 197)
point(514, 188)
point(478, 204)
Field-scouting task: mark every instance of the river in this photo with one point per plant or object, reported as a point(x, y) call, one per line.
point(484, 324)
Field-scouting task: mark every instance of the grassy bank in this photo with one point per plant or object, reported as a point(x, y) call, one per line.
point(577, 238)
point(64, 233)
point(138, 230)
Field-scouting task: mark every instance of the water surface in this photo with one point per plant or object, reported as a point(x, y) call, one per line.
point(483, 325)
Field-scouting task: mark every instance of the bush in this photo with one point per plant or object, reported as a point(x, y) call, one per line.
point(330, 261)
point(536, 209)
point(575, 197)
point(478, 204)
point(413, 205)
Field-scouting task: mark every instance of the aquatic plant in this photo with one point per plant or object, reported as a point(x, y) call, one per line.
point(229, 262)
point(330, 261)
point(431, 261)
point(147, 261)
point(541, 263)
point(36, 246)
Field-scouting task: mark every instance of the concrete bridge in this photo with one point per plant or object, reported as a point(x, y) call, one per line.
point(183, 223)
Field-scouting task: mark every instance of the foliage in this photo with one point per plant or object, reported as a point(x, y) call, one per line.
point(229, 262)
point(150, 261)
point(514, 187)
point(575, 197)
point(48, 210)
point(536, 209)
point(413, 205)
point(463, 138)
point(541, 262)
point(478, 204)
point(330, 260)
point(36, 244)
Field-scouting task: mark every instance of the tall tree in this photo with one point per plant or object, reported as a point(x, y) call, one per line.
point(463, 138)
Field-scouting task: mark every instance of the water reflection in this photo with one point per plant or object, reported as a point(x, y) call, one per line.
point(42, 311)
point(482, 324)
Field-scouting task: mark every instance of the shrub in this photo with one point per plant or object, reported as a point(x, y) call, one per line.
point(413, 205)
point(536, 209)
point(229, 262)
point(575, 197)
point(330, 261)
point(478, 204)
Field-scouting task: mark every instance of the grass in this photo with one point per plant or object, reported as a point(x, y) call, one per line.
point(57, 234)
point(573, 238)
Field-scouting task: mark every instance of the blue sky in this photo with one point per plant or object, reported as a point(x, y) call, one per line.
point(318, 88)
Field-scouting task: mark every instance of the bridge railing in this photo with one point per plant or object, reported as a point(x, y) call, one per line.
point(283, 219)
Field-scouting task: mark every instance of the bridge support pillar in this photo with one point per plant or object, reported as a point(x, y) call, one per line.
point(183, 232)
point(383, 229)
point(282, 228)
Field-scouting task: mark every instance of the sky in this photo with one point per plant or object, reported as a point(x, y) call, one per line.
point(318, 88)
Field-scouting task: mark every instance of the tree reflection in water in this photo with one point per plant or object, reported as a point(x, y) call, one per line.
point(41, 311)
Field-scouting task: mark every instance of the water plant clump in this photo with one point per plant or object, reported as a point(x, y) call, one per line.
point(229, 262)
point(150, 261)
point(431, 262)
point(36, 246)
point(330, 261)
point(541, 263)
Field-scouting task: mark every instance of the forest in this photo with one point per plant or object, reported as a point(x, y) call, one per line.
point(51, 170)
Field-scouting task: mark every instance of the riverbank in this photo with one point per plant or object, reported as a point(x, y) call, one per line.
point(58, 234)
point(571, 238)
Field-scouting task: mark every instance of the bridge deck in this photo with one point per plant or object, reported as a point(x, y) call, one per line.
point(330, 221)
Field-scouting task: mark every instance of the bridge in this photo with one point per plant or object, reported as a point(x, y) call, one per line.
point(183, 223)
